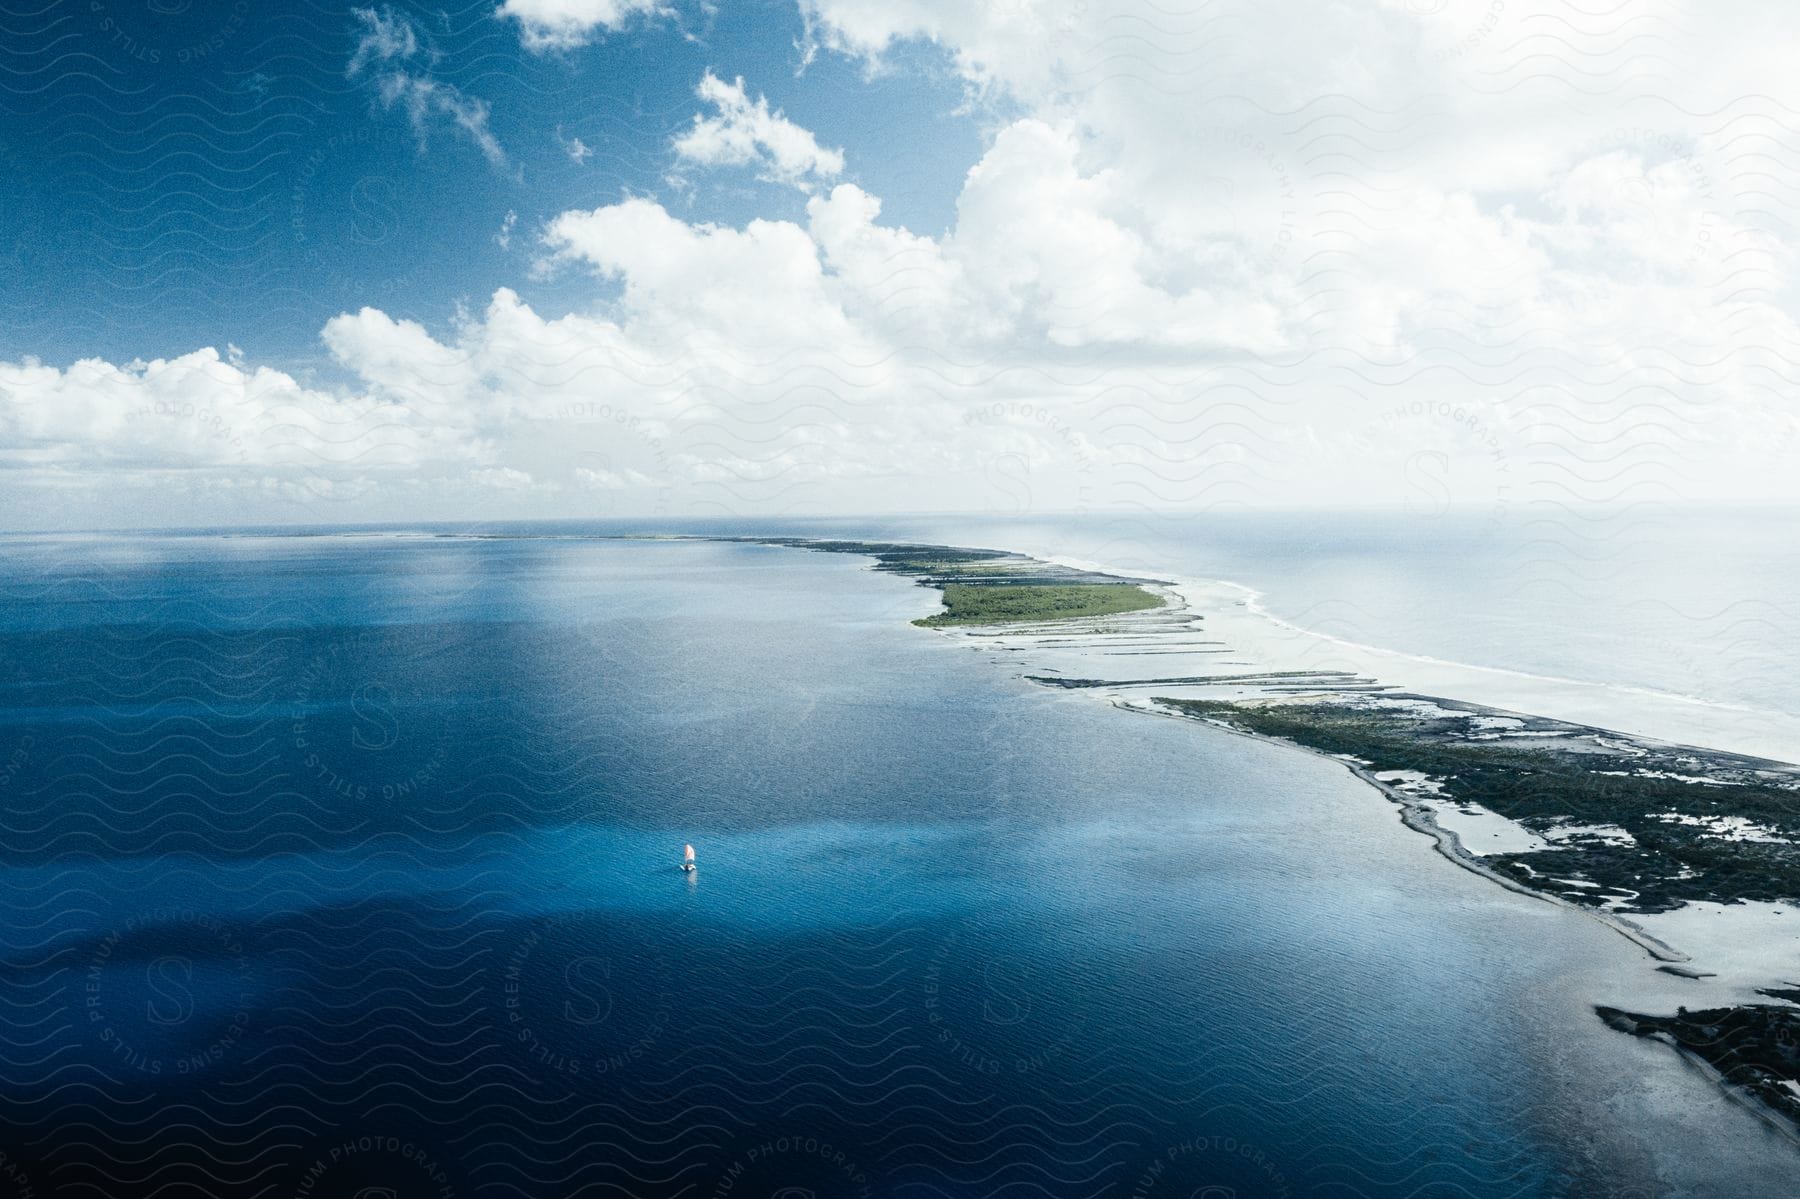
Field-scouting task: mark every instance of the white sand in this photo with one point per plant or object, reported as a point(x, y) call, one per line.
point(1748, 945)
point(1605, 834)
point(1235, 615)
point(1726, 828)
point(1482, 832)
point(1213, 630)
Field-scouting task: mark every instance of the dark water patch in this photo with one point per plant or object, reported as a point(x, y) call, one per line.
point(951, 933)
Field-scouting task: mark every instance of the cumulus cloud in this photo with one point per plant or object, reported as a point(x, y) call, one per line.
point(1049, 328)
point(546, 25)
point(1190, 269)
point(1348, 210)
point(387, 42)
point(205, 420)
point(766, 288)
point(745, 132)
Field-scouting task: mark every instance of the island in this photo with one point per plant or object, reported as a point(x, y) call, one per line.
point(992, 586)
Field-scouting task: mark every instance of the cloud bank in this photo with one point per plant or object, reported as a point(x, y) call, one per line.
point(1334, 255)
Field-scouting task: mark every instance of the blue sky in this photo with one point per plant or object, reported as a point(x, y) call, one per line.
point(282, 262)
point(195, 173)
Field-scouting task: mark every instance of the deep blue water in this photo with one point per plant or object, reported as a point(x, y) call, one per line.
point(345, 862)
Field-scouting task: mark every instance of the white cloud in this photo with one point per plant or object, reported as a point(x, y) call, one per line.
point(1267, 254)
point(423, 98)
point(565, 24)
point(386, 35)
point(845, 358)
point(1327, 211)
point(575, 148)
point(503, 478)
point(389, 37)
point(765, 292)
point(202, 416)
point(744, 132)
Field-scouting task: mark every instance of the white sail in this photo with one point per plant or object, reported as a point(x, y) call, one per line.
point(688, 853)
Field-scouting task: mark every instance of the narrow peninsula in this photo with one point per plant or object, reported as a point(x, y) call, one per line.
point(1630, 830)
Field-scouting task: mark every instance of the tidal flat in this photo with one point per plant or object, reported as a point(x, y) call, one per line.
point(1626, 828)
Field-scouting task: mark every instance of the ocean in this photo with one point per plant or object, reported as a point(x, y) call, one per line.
point(346, 864)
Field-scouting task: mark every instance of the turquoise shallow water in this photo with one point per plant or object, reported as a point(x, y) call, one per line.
point(346, 862)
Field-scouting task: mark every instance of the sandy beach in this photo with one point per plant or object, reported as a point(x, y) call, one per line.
point(1240, 632)
point(1213, 641)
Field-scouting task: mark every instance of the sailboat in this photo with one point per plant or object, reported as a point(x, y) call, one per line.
point(687, 858)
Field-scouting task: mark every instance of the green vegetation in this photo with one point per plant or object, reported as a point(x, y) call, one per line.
point(1670, 862)
point(935, 565)
point(991, 586)
point(977, 567)
point(1662, 804)
point(1667, 799)
point(999, 603)
point(1756, 1046)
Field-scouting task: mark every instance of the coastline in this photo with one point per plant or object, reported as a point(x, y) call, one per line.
point(1158, 659)
point(1422, 818)
point(1239, 613)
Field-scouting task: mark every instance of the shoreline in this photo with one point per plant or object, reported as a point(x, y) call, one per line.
point(1422, 818)
point(1676, 804)
point(1719, 828)
point(1631, 711)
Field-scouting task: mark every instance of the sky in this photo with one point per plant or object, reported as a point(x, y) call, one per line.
point(317, 263)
